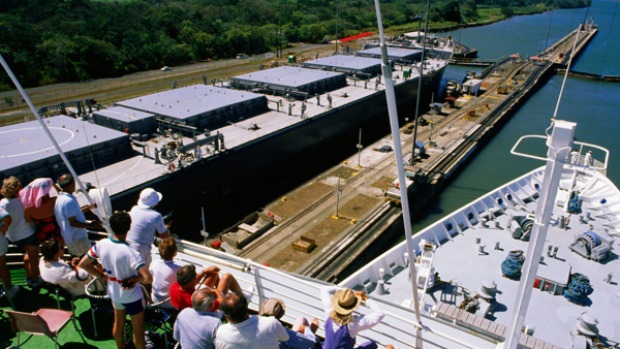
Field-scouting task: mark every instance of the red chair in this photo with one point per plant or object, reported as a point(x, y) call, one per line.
point(47, 322)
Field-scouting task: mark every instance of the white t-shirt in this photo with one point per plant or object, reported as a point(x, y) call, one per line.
point(164, 274)
point(119, 262)
point(19, 228)
point(61, 273)
point(67, 206)
point(144, 223)
point(257, 332)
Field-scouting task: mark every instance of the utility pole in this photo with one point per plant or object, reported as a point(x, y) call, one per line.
point(431, 123)
point(338, 193)
point(359, 150)
point(337, 15)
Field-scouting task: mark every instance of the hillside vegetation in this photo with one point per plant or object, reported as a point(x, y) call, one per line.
point(75, 40)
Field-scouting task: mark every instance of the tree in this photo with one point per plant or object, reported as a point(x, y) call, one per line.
point(469, 10)
point(58, 53)
point(507, 11)
point(18, 46)
point(451, 11)
point(94, 58)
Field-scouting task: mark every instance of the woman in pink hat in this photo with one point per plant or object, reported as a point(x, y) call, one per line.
point(39, 208)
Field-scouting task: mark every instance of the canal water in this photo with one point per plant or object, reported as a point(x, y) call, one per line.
point(593, 105)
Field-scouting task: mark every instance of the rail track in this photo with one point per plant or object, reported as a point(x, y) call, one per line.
point(347, 248)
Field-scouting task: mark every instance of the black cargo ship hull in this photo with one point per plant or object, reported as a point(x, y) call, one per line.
point(240, 180)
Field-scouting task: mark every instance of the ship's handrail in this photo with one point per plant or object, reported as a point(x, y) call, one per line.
point(302, 297)
point(438, 233)
point(599, 165)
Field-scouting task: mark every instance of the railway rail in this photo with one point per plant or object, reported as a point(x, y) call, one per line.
point(332, 264)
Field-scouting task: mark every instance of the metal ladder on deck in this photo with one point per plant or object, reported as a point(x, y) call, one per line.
point(425, 268)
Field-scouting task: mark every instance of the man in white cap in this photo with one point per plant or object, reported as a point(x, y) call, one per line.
point(145, 223)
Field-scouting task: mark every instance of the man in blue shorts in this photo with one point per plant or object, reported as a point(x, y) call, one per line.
point(123, 268)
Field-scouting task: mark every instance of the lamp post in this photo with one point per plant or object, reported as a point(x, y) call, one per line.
point(337, 14)
point(338, 192)
point(359, 147)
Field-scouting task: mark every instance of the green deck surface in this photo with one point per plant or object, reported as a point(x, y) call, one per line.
point(29, 300)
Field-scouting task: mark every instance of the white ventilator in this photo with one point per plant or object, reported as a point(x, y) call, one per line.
point(103, 206)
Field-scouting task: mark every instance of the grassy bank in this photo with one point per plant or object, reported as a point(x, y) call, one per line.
point(485, 15)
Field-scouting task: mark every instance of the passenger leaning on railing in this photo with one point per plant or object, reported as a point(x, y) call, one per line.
point(342, 327)
point(146, 223)
point(123, 270)
point(301, 335)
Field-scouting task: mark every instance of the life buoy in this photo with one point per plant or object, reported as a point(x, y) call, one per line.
point(171, 167)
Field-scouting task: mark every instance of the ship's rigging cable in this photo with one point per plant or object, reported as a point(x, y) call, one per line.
point(90, 152)
point(386, 69)
point(548, 29)
point(570, 61)
point(420, 79)
point(44, 127)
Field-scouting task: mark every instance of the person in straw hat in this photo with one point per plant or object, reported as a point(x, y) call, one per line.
point(342, 326)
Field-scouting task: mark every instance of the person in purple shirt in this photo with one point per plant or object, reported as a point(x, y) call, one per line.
point(342, 327)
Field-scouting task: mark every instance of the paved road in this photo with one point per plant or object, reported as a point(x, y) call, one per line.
point(107, 91)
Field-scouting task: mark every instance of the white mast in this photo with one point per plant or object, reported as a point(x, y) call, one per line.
point(560, 144)
point(390, 96)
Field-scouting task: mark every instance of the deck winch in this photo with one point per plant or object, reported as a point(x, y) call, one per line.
point(591, 246)
point(511, 266)
point(524, 227)
point(578, 289)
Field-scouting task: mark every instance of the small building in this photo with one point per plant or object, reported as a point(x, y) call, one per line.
point(27, 153)
point(200, 106)
point(351, 65)
point(295, 81)
point(553, 276)
point(396, 54)
point(126, 120)
point(472, 86)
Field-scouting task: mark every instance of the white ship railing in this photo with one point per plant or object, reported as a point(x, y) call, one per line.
point(302, 298)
